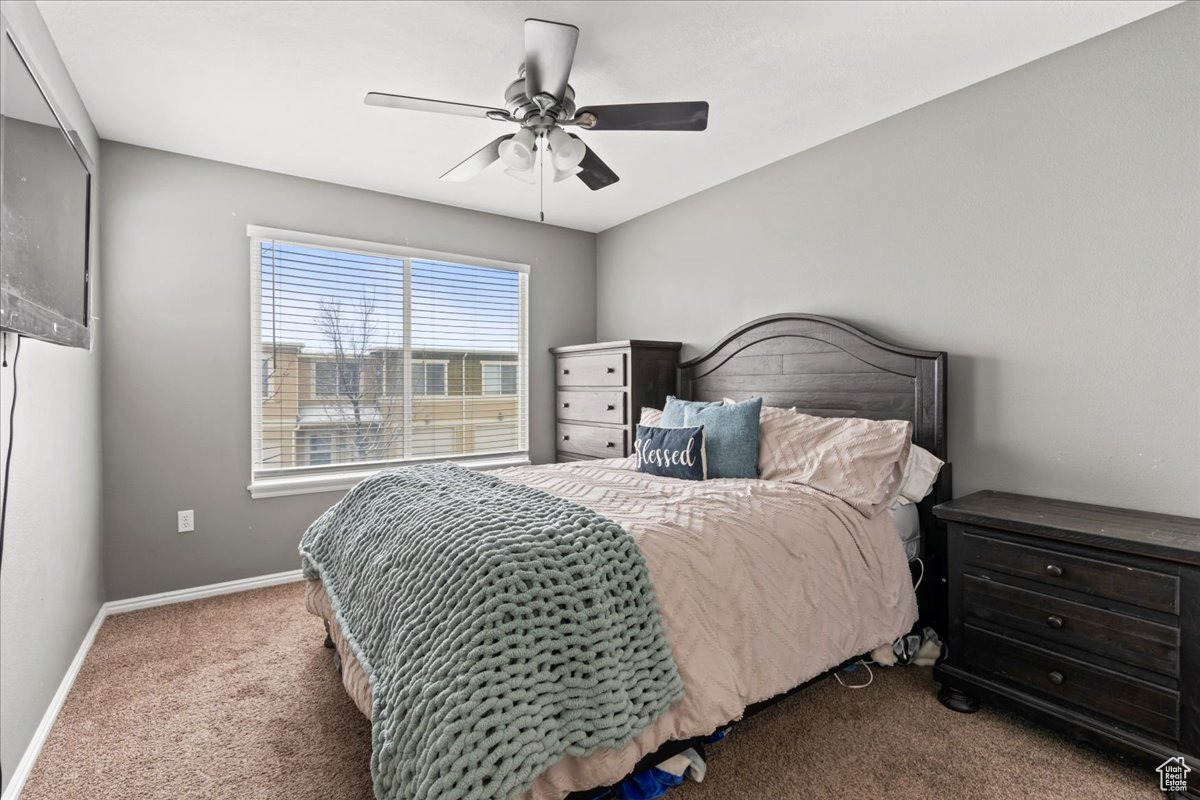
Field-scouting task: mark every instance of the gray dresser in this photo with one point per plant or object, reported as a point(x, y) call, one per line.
point(600, 389)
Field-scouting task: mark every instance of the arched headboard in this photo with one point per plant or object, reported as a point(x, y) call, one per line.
point(828, 368)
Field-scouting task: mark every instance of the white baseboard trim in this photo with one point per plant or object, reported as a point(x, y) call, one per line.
point(199, 592)
point(16, 782)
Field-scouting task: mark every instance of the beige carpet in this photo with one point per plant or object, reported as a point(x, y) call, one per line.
point(234, 697)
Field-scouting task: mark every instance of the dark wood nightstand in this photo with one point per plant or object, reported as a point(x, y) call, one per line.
point(1084, 617)
point(600, 390)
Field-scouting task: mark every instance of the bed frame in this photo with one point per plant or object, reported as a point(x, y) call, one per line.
point(827, 368)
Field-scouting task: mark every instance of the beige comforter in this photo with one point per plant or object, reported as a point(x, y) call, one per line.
point(762, 586)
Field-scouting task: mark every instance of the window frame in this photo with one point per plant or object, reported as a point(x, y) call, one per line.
point(307, 479)
point(484, 364)
point(445, 364)
point(337, 376)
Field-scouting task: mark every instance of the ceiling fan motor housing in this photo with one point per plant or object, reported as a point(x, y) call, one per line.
point(518, 102)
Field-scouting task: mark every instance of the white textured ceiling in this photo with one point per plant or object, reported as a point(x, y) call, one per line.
point(279, 85)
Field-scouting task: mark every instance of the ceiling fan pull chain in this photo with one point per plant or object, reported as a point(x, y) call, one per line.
point(542, 181)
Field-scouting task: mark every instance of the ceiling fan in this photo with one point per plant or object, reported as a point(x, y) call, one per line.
point(542, 102)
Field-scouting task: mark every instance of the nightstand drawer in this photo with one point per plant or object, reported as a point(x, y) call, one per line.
point(1120, 637)
point(599, 369)
point(1123, 699)
point(1138, 587)
point(591, 441)
point(580, 406)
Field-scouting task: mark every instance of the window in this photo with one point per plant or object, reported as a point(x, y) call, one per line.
point(429, 377)
point(367, 355)
point(499, 377)
point(338, 377)
point(320, 449)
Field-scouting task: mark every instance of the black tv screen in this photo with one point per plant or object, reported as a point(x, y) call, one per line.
point(45, 191)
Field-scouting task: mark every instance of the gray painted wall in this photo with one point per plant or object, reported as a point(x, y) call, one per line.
point(51, 587)
point(1042, 226)
point(176, 385)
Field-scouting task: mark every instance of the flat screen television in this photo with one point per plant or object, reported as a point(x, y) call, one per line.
point(45, 198)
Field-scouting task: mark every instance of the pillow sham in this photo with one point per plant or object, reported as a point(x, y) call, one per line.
point(920, 472)
point(858, 461)
point(671, 452)
point(674, 411)
point(731, 437)
point(651, 417)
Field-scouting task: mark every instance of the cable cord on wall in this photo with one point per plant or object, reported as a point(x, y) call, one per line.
point(12, 413)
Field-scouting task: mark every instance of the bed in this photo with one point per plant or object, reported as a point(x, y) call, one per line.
point(762, 586)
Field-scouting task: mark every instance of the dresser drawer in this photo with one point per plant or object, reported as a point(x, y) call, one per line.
point(598, 369)
point(580, 406)
point(1139, 587)
point(588, 440)
point(1123, 699)
point(1120, 637)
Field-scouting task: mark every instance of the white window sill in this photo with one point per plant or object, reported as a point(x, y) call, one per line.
point(341, 481)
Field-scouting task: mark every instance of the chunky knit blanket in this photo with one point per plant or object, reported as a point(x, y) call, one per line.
point(501, 628)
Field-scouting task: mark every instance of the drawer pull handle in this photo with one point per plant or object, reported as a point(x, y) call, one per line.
point(566, 372)
point(611, 444)
point(566, 405)
point(611, 370)
point(1054, 570)
point(1056, 678)
point(565, 437)
point(1055, 622)
point(610, 408)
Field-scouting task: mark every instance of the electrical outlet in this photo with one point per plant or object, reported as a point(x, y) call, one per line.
point(187, 521)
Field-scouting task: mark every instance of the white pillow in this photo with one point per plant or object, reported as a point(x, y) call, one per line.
point(920, 472)
point(651, 417)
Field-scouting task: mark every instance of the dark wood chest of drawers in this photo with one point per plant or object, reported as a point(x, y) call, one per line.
point(1084, 617)
point(600, 389)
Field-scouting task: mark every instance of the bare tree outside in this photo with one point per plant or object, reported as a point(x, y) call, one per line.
point(354, 381)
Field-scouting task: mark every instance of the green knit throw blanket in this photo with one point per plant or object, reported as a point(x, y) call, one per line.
point(501, 628)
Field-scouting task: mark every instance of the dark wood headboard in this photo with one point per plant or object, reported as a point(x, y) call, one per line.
point(826, 368)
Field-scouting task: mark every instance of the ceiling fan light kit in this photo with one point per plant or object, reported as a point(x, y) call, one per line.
point(542, 102)
point(517, 152)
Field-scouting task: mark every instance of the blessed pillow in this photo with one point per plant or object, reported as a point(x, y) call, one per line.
point(859, 461)
point(920, 472)
point(671, 452)
point(674, 411)
point(730, 436)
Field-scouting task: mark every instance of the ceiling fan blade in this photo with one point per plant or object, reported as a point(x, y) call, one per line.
point(438, 106)
point(549, 53)
point(477, 162)
point(692, 116)
point(594, 173)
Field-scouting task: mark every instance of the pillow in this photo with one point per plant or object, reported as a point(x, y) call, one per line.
point(651, 417)
point(671, 452)
point(858, 461)
point(920, 472)
point(730, 437)
point(673, 412)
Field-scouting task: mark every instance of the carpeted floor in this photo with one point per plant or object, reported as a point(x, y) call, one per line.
point(235, 697)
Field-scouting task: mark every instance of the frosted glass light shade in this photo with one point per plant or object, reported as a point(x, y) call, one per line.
point(517, 152)
point(567, 151)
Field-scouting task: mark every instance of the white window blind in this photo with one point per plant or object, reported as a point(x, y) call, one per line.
point(366, 355)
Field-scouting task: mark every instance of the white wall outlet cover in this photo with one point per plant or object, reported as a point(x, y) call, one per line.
point(187, 521)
